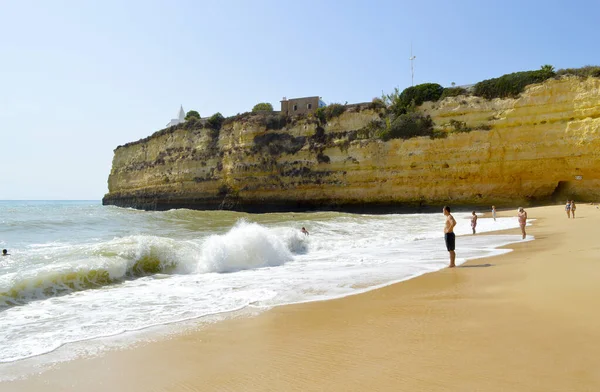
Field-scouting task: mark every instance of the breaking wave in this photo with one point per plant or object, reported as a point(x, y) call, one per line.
point(84, 267)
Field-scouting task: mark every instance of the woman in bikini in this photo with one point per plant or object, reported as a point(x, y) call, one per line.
point(573, 208)
point(522, 216)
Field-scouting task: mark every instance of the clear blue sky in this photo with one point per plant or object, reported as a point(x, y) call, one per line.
point(78, 78)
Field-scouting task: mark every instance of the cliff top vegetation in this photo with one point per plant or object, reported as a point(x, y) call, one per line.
point(399, 117)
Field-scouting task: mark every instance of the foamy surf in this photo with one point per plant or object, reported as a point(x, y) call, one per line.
point(127, 270)
point(93, 266)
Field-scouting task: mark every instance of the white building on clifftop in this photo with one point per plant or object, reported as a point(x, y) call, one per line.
point(180, 118)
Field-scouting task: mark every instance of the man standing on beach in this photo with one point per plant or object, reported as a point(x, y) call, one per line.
point(449, 235)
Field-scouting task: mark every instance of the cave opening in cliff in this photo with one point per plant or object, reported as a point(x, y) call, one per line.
point(562, 191)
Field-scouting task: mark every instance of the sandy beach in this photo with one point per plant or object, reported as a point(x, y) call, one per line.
point(523, 321)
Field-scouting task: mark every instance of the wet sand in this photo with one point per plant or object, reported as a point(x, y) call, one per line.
point(524, 321)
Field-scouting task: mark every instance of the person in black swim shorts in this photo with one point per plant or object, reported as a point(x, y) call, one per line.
point(449, 235)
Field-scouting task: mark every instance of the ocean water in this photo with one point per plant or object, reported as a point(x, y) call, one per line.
point(80, 271)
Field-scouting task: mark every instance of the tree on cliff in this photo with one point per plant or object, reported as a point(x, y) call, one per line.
point(547, 68)
point(403, 102)
point(262, 106)
point(192, 114)
point(215, 121)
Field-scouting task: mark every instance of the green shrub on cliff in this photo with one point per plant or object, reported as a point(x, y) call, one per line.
point(374, 127)
point(389, 99)
point(278, 143)
point(511, 85)
point(459, 126)
point(584, 72)
point(453, 92)
point(238, 117)
point(276, 122)
point(330, 111)
point(192, 114)
point(377, 103)
point(215, 121)
point(263, 106)
point(192, 123)
point(408, 125)
point(414, 96)
point(421, 93)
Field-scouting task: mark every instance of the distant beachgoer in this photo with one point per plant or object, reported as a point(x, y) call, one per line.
point(473, 221)
point(573, 208)
point(568, 208)
point(494, 213)
point(5, 252)
point(304, 231)
point(522, 216)
point(449, 235)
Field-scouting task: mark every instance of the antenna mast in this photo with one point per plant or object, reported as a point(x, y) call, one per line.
point(412, 68)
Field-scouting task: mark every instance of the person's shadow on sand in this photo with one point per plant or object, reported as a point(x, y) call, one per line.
point(476, 265)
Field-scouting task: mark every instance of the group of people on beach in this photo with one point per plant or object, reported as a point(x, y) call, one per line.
point(450, 237)
point(521, 215)
point(570, 208)
point(474, 219)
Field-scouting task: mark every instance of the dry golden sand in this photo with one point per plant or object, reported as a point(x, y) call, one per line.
point(525, 321)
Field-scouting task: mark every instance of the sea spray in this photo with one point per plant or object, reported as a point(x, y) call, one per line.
point(245, 246)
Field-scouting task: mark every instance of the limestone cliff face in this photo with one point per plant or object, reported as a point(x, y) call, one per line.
point(525, 150)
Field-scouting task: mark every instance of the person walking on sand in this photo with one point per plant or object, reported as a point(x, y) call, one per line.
point(573, 208)
point(473, 221)
point(568, 209)
point(449, 236)
point(522, 216)
point(494, 213)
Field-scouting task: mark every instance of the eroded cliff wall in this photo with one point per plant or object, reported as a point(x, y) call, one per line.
point(530, 149)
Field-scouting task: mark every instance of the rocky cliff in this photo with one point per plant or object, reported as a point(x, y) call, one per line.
point(542, 146)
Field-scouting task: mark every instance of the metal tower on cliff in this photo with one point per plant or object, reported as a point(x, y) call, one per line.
point(412, 68)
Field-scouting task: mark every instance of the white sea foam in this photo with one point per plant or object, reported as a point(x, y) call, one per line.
point(245, 246)
point(187, 266)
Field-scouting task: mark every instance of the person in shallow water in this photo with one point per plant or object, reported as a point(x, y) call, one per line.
point(304, 231)
point(5, 252)
point(449, 235)
point(522, 216)
point(473, 221)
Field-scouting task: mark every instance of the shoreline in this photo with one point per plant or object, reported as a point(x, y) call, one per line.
point(161, 330)
point(317, 323)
